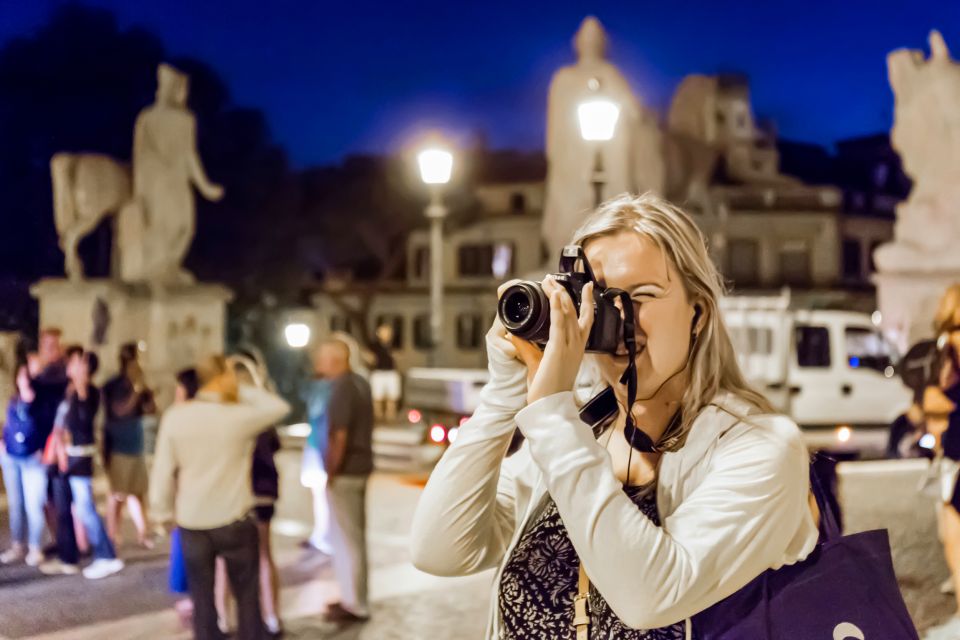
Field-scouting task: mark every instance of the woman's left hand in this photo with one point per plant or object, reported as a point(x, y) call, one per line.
point(565, 346)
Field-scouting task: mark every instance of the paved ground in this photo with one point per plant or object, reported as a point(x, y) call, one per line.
point(406, 603)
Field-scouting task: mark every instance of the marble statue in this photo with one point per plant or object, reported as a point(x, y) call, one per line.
point(926, 134)
point(86, 187)
point(157, 226)
point(710, 128)
point(631, 160)
point(154, 206)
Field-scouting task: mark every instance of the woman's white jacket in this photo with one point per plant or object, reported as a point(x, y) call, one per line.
point(733, 502)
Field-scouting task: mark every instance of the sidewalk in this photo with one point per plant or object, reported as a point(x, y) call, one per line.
point(135, 604)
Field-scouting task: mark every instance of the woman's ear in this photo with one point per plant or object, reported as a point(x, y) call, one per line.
point(697, 314)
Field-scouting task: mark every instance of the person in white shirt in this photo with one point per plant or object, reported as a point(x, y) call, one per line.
point(201, 481)
point(718, 494)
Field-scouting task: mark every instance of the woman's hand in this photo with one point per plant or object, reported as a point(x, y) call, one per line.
point(558, 369)
point(507, 356)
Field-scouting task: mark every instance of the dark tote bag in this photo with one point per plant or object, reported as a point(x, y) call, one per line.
point(845, 590)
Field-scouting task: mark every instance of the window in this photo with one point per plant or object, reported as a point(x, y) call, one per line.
point(880, 175)
point(421, 262)
point(421, 332)
point(396, 322)
point(743, 262)
point(469, 331)
point(475, 259)
point(873, 249)
point(751, 340)
point(813, 346)
point(341, 323)
point(518, 203)
point(502, 259)
point(760, 340)
point(795, 264)
point(851, 258)
point(868, 348)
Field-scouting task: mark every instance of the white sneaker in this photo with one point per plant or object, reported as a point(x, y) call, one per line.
point(949, 630)
point(102, 567)
point(57, 568)
point(946, 587)
point(34, 558)
point(13, 554)
point(272, 624)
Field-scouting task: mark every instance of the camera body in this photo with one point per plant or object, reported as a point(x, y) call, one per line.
point(524, 308)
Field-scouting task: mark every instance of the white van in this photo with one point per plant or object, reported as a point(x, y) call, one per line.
point(831, 371)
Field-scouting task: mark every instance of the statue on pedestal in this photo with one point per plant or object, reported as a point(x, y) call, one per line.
point(632, 160)
point(926, 134)
point(155, 210)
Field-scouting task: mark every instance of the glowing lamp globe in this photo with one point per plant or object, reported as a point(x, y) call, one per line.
point(436, 165)
point(598, 119)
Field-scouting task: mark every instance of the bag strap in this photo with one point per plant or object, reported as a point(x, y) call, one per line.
point(828, 520)
point(581, 612)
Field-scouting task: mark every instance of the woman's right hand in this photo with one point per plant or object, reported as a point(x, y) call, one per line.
point(510, 346)
point(511, 361)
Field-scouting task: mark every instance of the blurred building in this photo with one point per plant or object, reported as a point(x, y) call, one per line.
point(775, 214)
point(766, 229)
point(503, 242)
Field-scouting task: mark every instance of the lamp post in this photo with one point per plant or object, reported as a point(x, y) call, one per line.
point(436, 165)
point(598, 120)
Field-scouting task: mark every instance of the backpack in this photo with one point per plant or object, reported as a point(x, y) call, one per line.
point(20, 434)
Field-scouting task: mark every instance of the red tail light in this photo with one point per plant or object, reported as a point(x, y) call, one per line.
point(413, 416)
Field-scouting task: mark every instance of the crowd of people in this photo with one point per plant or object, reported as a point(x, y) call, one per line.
point(211, 483)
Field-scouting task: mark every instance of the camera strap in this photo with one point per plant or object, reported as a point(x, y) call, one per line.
point(637, 438)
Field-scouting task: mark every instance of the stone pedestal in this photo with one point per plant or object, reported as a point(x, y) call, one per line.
point(908, 301)
point(174, 326)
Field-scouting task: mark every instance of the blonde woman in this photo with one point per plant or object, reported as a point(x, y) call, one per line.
point(940, 402)
point(661, 534)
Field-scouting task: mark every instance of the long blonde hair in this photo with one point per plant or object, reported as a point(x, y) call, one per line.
point(948, 311)
point(713, 364)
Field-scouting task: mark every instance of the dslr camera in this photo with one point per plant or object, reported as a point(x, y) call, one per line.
point(524, 308)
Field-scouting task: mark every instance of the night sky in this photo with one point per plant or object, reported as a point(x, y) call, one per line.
point(358, 76)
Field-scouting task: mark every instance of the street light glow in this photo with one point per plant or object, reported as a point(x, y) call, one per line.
point(598, 119)
point(297, 335)
point(436, 165)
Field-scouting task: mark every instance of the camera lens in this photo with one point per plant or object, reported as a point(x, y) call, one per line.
point(517, 307)
point(525, 311)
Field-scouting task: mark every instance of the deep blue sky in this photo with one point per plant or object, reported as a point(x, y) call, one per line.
point(354, 75)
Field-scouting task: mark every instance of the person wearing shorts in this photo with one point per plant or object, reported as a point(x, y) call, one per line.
point(384, 379)
point(126, 401)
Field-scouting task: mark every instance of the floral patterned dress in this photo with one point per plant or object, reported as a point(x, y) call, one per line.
point(539, 583)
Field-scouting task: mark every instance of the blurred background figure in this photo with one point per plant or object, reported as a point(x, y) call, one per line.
point(266, 490)
point(49, 385)
point(76, 423)
point(315, 393)
point(127, 400)
point(185, 390)
point(384, 377)
point(201, 481)
point(348, 462)
point(24, 476)
point(357, 363)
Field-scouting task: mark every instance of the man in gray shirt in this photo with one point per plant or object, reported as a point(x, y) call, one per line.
point(349, 462)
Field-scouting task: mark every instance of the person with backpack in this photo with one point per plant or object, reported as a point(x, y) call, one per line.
point(24, 474)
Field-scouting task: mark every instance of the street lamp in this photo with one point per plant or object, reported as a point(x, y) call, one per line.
point(436, 165)
point(297, 335)
point(598, 121)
